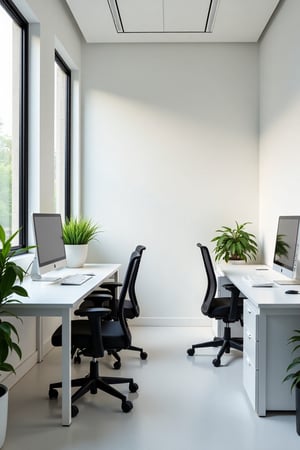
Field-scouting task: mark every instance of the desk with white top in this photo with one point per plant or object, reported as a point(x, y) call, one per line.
point(52, 299)
point(270, 316)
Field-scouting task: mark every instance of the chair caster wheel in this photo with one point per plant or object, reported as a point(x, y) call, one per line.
point(216, 362)
point(74, 411)
point(191, 351)
point(133, 387)
point(144, 355)
point(127, 406)
point(53, 393)
point(117, 365)
point(77, 359)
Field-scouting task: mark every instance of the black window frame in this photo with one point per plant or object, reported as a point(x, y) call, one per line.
point(18, 17)
point(65, 68)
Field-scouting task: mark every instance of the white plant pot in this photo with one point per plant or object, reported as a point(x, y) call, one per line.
point(76, 255)
point(3, 412)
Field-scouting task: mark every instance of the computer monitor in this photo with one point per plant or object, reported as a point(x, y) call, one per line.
point(286, 245)
point(50, 249)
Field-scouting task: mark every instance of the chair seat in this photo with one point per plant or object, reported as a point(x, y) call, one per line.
point(220, 308)
point(112, 336)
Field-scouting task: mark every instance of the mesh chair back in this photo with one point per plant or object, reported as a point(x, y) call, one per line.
point(211, 280)
point(131, 288)
point(126, 287)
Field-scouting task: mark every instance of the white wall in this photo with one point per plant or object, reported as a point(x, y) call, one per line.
point(279, 122)
point(170, 153)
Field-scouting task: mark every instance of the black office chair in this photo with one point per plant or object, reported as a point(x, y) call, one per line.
point(93, 337)
point(108, 296)
point(228, 309)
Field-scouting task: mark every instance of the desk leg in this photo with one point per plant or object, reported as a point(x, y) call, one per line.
point(66, 368)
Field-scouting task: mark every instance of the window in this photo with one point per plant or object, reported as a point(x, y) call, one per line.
point(13, 121)
point(62, 133)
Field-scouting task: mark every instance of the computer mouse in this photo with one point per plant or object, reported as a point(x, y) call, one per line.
point(292, 291)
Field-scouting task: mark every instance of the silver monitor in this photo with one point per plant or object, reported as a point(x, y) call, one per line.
point(50, 249)
point(286, 245)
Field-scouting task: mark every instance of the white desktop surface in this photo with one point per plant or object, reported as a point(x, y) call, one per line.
point(270, 316)
point(53, 299)
point(263, 297)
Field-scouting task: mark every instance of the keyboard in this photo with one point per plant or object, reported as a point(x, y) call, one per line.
point(259, 281)
point(75, 280)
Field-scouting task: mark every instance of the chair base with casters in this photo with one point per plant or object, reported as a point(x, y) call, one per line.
point(87, 336)
point(117, 364)
point(226, 343)
point(94, 382)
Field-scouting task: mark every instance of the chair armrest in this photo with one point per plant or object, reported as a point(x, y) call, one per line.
point(98, 312)
point(99, 300)
point(101, 290)
point(111, 284)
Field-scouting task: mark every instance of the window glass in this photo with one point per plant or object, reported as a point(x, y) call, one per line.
point(12, 120)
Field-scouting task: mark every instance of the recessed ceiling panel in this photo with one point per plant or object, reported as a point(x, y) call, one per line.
point(140, 16)
point(162, 16)
point(186, 15)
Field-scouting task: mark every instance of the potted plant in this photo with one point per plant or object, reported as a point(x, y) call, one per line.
point(11, 275)
point(77, 233)
point(294, 376)
point(235, 244)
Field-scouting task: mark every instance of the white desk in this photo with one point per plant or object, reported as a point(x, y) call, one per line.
point(270, 316)
point(50, 299)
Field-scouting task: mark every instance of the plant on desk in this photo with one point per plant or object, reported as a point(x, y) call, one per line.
point(77, 233)
point(294, 376)
point(235, 244)
point(11, 275)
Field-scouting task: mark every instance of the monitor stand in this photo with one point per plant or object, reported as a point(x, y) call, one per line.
point(36, 276)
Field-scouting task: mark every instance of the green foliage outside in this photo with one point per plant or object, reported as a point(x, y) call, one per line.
point(5, 182)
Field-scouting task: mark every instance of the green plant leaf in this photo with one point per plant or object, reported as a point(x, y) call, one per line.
point(79, 231)
point(235, 243)
point(11, 275)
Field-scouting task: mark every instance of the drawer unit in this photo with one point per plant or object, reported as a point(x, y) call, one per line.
point(250, 315)
point(250, 356)
point(250, 346)
point(250, 380)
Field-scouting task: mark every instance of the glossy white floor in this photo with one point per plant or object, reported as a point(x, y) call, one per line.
point(182, 403)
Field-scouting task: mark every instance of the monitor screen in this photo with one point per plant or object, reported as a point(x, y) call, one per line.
point(286, 245)
point(49, 241)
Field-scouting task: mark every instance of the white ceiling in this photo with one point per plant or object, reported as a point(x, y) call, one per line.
point(172, 20)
